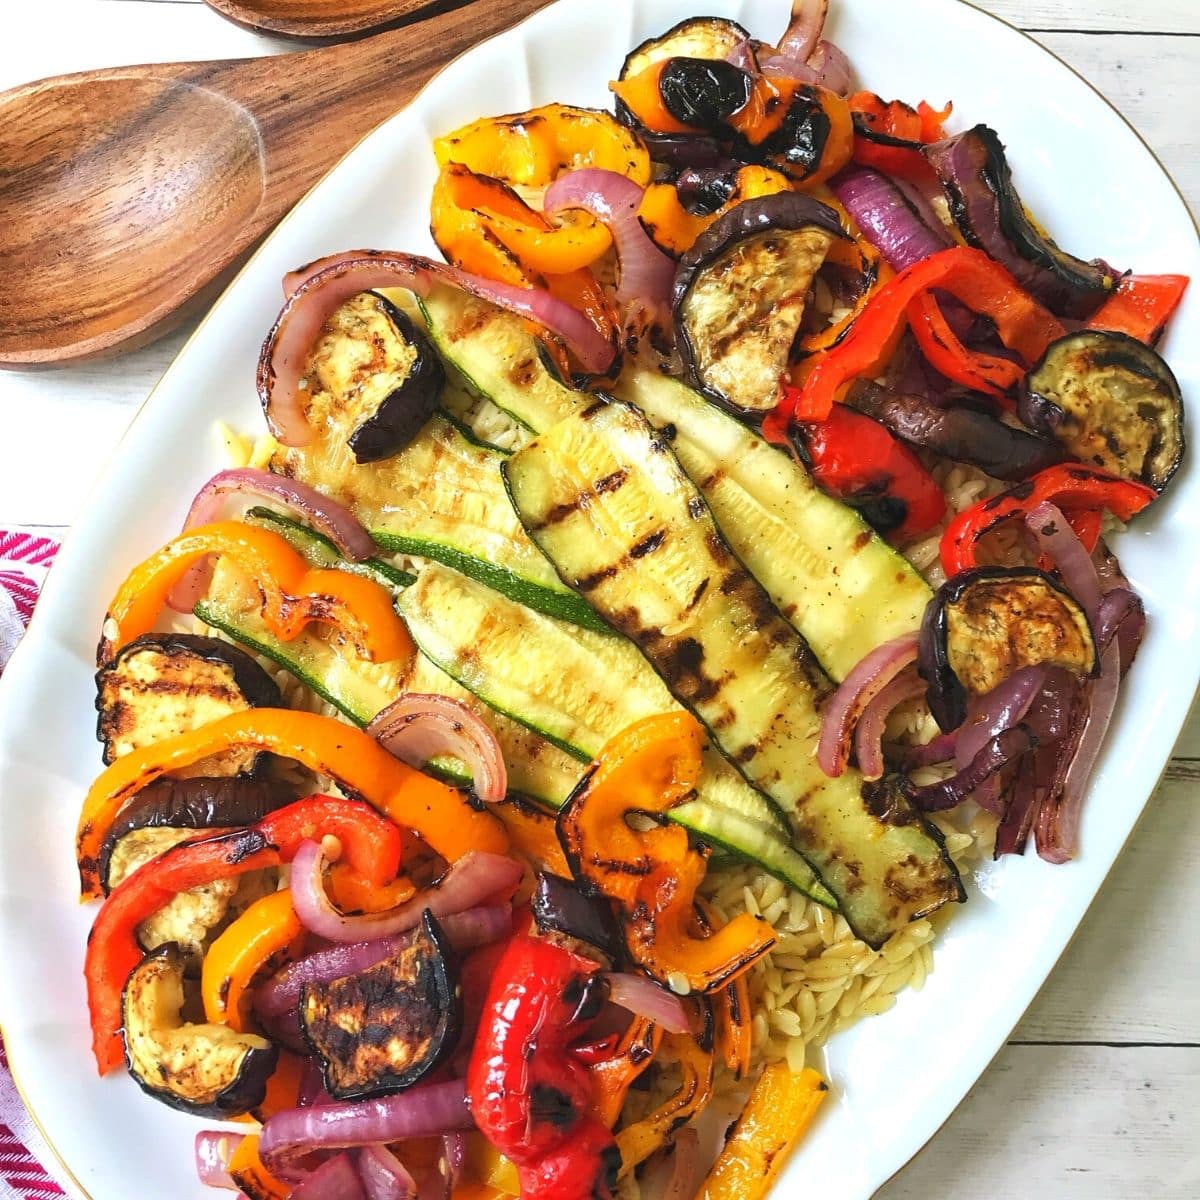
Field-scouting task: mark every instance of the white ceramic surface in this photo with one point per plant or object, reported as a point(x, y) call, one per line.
point(896, 1077)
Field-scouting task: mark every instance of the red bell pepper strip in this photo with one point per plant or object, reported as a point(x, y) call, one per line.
point(856, 458)
point(529, 1095)
point(987, 373)
point(1081, 492)
point(980, 283)
point(899, 121)
point(1141, 306)
point(369, 841)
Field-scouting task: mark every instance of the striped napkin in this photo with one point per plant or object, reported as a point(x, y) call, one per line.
point(25, 557)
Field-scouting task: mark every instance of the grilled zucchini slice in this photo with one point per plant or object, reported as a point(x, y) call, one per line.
point(383, 1029)
point(577, 690)
point(206, 1070)
point(441, 498)
point(607, 501)
point(163, 684)
point(373, 378)
point(359, 690)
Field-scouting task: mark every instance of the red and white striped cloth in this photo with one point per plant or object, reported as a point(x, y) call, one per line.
point(25, 557)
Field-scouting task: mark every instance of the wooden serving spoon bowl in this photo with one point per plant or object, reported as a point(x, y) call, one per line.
point(316, 18)
point(127, 193)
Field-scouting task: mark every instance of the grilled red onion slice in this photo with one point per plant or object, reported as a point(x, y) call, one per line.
point(334, 1179)
point(383, 1175)
point(784, 67)
point(278, 996)
point(454, 1157)
point(1121, 615)
point(1055, 537)
point(325, 284)
point(743, 55)
point(832, 67)
point(844, 708)
point(476, 877)
point(999, 752)
point(422, 1111)
point(645, 998)
point(1002, 708)
point(418, 727)
point(214, 1149)
point(334, 520)
point(939, 750)
point(808, 19)
point(887, 218)
point(645, 272)
point(868, 736)
point(1057, 829)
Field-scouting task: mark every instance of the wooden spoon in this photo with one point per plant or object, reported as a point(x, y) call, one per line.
point(316, 18)
point(126, 193)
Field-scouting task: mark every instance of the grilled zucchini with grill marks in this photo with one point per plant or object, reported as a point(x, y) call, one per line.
point(843, 588)
point(440, 498)
point(606, 499)
point(577, 690)
point(360, 689)
point(383, 1029)
point(373, 378)
point(163, 684)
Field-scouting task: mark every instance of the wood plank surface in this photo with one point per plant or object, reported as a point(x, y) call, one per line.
point(1106, 16)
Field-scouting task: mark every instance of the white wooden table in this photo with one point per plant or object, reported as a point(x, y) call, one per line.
point(1097, 1095)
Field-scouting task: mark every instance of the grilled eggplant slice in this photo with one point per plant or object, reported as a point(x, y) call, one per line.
point(985, 624)
point(373, 376)
point(163, 684)
point(711, 38)
point(207, 1070)
point(740, 292)
point(1110, 400)
point(605, 498)
point(987, 210)
point(383, 1029)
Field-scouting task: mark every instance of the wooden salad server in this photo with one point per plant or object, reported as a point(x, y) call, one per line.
point(128, 192)
point(316, 18)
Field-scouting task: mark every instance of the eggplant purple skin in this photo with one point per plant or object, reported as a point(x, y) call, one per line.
point(960, 433)
point(785, 211)
point(1042, 414)
point(227, 802)
point(945, 693)
point(559, 905)
point(988, 211)
point(402, 413)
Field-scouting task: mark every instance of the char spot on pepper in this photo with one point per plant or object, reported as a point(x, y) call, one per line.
point(549, 1105)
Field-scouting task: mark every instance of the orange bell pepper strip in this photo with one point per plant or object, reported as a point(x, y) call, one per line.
point(732, 1033)
point(653, 875)
point(639, 1141)
point(262, 939)
point(351, 892)
point(613, 1075)
point(247, 1171)
point(642, 95)
point(982, 284)
point(294, 593)
point(673, 229)
point(529, 149)
point(490, 1168)
point(355, 761)
point(537, 244)
point(533, 833)
point(283, 1089)
point(1141, 306)
point(777, 1115)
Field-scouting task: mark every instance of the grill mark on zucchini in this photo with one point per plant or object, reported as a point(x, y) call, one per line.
point(731, 655)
